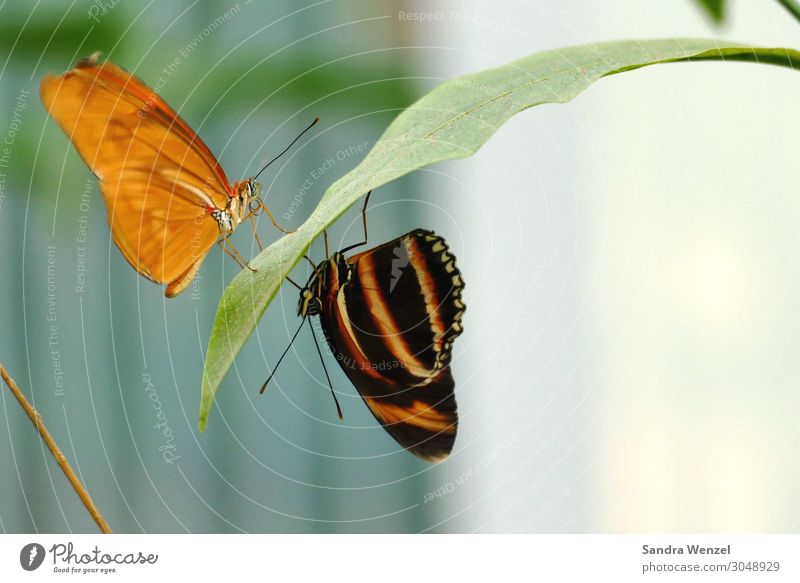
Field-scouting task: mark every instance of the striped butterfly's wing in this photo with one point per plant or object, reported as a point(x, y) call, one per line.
point(159, 180)
point(392, 329)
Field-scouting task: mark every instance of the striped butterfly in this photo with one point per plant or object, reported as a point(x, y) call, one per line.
point(167, 197)
point(390, 316)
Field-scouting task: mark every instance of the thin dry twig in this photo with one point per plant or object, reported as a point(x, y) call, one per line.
point(57, 454)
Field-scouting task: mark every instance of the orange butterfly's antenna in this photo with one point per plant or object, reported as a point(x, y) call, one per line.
point(322, 360)
point(300, 135)
point(274, 370)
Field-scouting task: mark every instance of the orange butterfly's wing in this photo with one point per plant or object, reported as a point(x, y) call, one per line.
point(159, 180)
point(163, 235)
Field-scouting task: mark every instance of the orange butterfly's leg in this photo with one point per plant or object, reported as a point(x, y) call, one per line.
point(234, 253)
point(364, 219)
point(221, 243)
point(274, 222)
point(255, 233)
point(325, 234)
point(241, 258)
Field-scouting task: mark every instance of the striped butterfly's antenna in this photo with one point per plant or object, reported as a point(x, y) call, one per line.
point(327, 376)
point(274, 370)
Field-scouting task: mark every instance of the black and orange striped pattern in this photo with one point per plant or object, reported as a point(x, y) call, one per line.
point(390, 316)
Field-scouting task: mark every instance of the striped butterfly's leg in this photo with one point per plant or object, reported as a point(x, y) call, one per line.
point(364, 219)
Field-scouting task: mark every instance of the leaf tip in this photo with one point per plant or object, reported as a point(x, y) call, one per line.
point(206, 402)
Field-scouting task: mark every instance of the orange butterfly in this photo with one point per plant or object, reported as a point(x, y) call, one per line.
point(167, 197)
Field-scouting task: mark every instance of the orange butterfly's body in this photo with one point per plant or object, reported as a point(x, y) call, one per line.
point(168, 198)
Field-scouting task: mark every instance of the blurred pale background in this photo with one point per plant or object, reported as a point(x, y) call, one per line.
point(631, 259)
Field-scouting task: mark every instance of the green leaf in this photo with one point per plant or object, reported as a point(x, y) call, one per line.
point(452, 121)
point(793, 6)
point(714, 8)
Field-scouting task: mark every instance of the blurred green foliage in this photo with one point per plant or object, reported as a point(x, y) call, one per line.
point(282, 462)
point(714, 8)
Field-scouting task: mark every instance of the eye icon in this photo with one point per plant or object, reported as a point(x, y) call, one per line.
point(31, 556)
